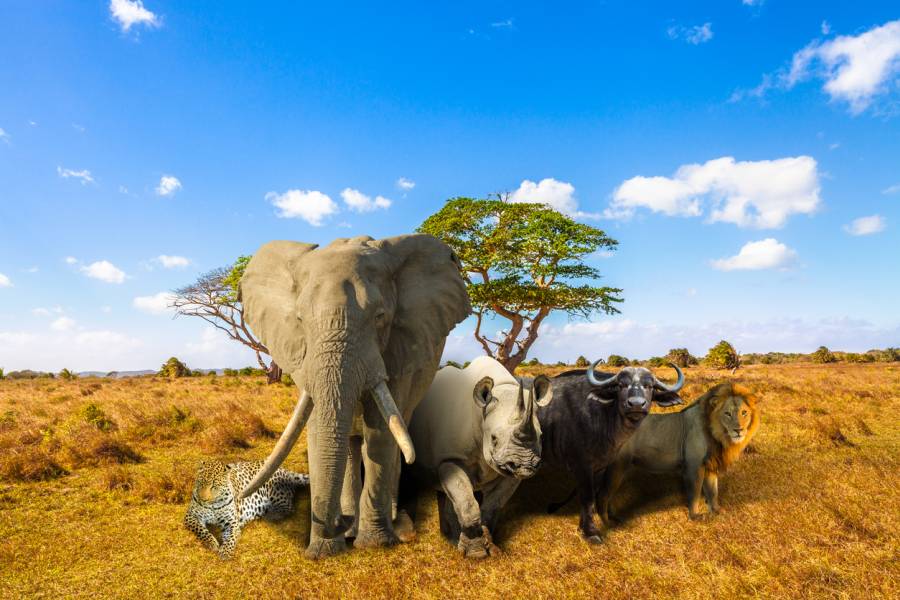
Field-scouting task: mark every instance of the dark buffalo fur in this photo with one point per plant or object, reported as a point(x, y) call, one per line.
point(582, 436)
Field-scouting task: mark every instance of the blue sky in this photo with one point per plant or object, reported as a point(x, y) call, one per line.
point(746, 155)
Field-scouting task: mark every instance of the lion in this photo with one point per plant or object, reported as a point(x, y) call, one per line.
point(699, 442)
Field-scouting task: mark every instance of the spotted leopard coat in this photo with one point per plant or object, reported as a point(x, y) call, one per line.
point(216, 500)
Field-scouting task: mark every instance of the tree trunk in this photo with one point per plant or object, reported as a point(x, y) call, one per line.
point(273, 373)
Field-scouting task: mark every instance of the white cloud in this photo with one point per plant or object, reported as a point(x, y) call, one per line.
point(760, 194)
point(405, 184)
point(34, 269)
point(558, 195)
point(214, 349)
point(168, 185)
point(106, 309)
point(172, 262)
point(84, 175)
point(696, 34)
point(866, 225)
point(71, 260)
point(505, 24)
point(128, 13)
point(51, 350)
point(764, 254)
point(826, 27)
point(891, 189)
point(855, 69)
point(4, 281)
point(104, 271)
point(46, 312)
point(312, 206)
point(359, 202)
point(156, 304)
point(63, 324)
point(752, 2)
point(4, 136)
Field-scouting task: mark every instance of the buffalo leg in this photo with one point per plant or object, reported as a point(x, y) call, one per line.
point(584, 482)
point(608, 484)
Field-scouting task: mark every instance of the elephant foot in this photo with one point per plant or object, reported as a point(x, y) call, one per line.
point(375, 539)
point(404, 527)
point(347, 524)
point(479, 547)
point(322, 548)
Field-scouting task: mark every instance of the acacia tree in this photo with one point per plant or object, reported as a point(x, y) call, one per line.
point(522, 261)
point(214, 298)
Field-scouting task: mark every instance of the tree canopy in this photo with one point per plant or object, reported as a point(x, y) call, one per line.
point(522, 261)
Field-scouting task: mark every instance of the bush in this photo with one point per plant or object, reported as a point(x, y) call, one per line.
point(230, 372)
point(453, 363)
point(615, 360)
point(722, 356)
point(28, 374)
point(174, 368)
point(823, 355)
point(94, 415)
point(657, 361)
point(582, 362)
point(1, 373)
point(67, 375)
point(286, 379)
point(681, 357)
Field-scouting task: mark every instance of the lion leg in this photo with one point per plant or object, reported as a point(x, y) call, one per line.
point(711, 492)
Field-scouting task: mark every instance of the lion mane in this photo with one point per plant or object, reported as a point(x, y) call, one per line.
point(722, 450)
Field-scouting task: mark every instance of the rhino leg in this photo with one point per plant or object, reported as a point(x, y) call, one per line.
point(496, 495)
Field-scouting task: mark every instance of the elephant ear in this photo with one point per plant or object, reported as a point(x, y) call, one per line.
point(431, 300)
point(268, 293)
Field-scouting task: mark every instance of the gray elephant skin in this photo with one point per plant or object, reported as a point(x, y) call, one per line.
point(476, 430)
point(360, 325)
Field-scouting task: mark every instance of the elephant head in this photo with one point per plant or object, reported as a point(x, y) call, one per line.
point(356, 323)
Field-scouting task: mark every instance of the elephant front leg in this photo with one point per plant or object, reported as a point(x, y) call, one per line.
point(327, 462)
point(381, 459)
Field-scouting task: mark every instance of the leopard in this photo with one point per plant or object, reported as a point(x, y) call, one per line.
point(216, 501)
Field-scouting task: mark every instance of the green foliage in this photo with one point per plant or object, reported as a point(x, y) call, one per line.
point(823, 355)
point(286, 379)
point(1, 373)
point(681, 357)
point(582, 362)
point(174, 368)
point(67, 375)
point(231, 281)
point(94, 415)
point(522, 261)
point(230, 372)
point(615, 360)
point(657, 361)
point(453, 363)
point(29, 374)
point(722, 356)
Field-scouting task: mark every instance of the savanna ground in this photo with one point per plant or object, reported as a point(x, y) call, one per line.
point(95, 476)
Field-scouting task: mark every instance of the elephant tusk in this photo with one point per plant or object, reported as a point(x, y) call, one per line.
point(394, 419)
point(285, 443)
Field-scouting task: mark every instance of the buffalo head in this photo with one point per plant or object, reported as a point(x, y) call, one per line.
point(633, 389)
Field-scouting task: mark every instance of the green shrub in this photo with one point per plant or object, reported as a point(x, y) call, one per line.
point(67, 375)
point(174, 368)
point(657, 361)
point(615, 360)
point(582, 362)
point(94, 415)
point(286, 379)
point(722, 356)
point(681, 357)
point(823, 355)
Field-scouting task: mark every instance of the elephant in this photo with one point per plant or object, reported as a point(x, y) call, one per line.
point(360, 325)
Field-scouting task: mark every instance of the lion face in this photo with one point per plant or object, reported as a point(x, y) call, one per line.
point(735, 416)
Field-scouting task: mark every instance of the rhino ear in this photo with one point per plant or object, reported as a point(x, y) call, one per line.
point(482, 391)
point(268, 292)
point(431, 300)
point(542, 390)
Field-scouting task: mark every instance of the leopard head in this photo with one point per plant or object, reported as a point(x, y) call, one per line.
point(211, 486)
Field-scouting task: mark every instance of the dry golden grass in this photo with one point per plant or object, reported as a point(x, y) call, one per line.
point(95, 476)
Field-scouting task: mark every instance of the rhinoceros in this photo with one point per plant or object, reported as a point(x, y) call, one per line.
point(476, 430)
